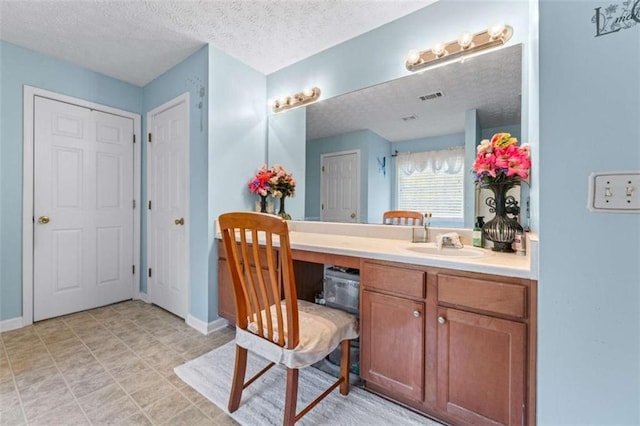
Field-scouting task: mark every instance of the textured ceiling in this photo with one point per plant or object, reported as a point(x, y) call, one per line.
point(490, 83)
point(136, 41)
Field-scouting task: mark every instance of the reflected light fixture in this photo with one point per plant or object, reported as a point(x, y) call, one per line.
point(495, 35)
point(307, 96)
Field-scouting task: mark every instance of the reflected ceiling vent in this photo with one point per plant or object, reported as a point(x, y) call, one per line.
point(433, 95)
point(410, 118)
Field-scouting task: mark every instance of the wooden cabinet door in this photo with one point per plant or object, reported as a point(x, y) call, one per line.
point(392, 343)
point(481, 368)
point(226, 300)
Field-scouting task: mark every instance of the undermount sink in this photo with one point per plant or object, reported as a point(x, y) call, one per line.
point(431, 250)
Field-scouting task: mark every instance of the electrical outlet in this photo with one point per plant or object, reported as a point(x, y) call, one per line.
point(614, 191)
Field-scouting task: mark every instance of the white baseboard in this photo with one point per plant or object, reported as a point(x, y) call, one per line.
point(11, 324)
point(206, 328)
point(142, 296)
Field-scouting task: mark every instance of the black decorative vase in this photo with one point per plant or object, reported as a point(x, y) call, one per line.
point(263, 204)
point(281, 211)
point(501, 229)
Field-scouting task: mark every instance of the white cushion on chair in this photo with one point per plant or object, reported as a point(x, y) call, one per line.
point(321, 330)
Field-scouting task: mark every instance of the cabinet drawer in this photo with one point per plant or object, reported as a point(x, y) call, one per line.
point(262, 253)
point(490, 296)
point(391, 279)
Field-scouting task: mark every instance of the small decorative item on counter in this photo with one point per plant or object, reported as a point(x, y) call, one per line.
point(520, 243)
point(419, 234)
point(449, 239)
point(282, 185)
point(500, 165)
point(259, 184)
point(478, 237)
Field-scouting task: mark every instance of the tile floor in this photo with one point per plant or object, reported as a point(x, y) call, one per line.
point(111, 365)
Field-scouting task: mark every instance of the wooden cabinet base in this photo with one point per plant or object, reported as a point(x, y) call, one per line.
point(476, 338)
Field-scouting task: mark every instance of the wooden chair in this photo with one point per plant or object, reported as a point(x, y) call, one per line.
point(291, 332)
point(402, 217)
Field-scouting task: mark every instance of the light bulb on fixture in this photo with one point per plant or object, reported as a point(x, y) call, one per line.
point(439, 49)
point(297, 99)
point(413, 57)
point(465, 40)
point(466, 44)
point(496, 30)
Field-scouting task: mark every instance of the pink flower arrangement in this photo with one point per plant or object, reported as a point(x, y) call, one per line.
point(259, 184)
point(501, 160)
point(282, 182)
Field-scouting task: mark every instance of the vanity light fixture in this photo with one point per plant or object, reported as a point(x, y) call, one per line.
point(466, 43)
point(302, 98)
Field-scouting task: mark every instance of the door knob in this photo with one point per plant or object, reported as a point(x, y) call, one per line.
point(43, 220)
point(179, 221)
point(442, 320)
point(353, 215)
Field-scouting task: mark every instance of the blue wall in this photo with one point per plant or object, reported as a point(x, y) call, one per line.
point(379, 55)
point(589, 300)
point(237, 147)
point(286, 147)
point(378, 183)
point(24, 67)
point(188, 76)
point(227, 144)
point(227, 130)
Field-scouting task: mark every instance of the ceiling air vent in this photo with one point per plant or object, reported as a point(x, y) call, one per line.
point(433, 95)
point(409, 117)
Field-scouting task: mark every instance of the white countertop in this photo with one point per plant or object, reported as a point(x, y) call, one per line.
point(396, 250)
point(393, 243)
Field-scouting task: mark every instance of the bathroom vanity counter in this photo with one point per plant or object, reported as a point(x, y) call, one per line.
point(393, 243)
point(451, 333)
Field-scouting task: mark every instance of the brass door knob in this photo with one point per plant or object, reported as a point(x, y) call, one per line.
point(43, 220)
point(179, 221)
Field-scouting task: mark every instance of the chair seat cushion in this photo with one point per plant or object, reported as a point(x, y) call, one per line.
point(321, 331)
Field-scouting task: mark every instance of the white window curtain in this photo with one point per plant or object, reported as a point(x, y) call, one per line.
point(449, 161)
point(433, 182)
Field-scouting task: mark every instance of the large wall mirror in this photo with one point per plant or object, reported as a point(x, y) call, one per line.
point(367, 133)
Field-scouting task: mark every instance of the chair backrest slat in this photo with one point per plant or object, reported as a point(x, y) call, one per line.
point(256, 281)
point(402, 217)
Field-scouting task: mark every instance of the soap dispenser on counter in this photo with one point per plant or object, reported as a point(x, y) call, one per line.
point(478, 235)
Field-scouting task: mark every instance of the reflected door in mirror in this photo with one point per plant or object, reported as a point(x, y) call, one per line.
point(340, 198)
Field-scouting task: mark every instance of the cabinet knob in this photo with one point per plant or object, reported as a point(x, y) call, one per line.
point(442, 320)
point(416, 313)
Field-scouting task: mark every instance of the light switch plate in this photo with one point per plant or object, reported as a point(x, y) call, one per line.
point(614, 191)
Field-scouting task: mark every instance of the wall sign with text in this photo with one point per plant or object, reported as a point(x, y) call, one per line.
point(615, 17)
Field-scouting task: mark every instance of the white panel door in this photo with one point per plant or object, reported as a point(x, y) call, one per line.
point(83, 208)
point(168, 186)
point(340, 199)
point(113, 207)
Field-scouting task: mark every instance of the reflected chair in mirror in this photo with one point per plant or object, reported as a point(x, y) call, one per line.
point(283, 330)
point(402, 217)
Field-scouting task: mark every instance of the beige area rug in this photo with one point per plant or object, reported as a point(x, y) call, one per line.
point(263, 402)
